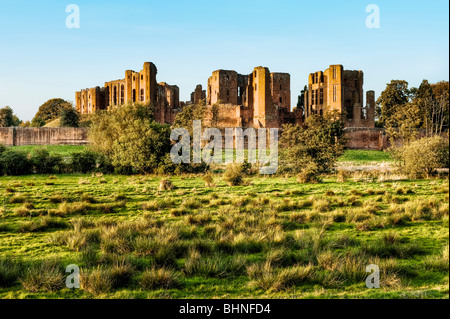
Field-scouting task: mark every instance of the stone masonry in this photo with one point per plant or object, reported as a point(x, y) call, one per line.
point(341, 90)
point(135, 87)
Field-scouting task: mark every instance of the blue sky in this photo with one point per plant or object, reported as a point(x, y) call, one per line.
point(41, 59)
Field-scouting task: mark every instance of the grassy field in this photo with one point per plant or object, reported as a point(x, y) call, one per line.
point(365, 157)
point(274, 238)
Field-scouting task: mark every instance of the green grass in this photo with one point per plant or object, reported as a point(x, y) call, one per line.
point(273, 238)
point(364, 157)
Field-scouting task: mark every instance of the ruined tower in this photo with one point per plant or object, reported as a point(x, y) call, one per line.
point(341, 90)
point(139, 87)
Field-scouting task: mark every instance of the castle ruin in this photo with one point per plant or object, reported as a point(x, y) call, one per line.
point(341, 90)
point(135, 87)
point(260, 99)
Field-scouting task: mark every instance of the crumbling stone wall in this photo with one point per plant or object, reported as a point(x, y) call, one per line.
point(198, 95)
point(264, 98)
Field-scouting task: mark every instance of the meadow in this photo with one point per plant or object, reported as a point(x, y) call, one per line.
point(273, 238)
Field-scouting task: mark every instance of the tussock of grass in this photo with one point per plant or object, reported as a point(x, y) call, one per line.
point(46, 276)
point(159, 278)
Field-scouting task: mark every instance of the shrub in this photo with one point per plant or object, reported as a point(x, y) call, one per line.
point(233, 175)
point(84, 162)
point(423, 156)
point(130, 137)
point(14, 163)
point(320, 141)
point(44, 163)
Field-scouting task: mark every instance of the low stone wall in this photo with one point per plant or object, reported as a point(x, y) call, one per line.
point(358, 138)
point(366, 138)
point(17, 136)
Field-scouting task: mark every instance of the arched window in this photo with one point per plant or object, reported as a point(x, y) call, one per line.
point(115, 95)
point(122, 94)
point(142, 95)
point(134, 95)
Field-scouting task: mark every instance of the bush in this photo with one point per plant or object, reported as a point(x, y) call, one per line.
point(84, 162)
point(320, 141)
point(130, 137)
point(44, 163)
point(14, 163)
point(421, 157)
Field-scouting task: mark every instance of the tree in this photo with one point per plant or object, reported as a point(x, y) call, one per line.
point(130, 137)
point(395, 95)
point(406, 111)
point(190, 113)
point(6, 117)
point(404, 124)
point(69, 118)
point(318, 143)
point(49, 111)
point(434, 101)
point(301, 99)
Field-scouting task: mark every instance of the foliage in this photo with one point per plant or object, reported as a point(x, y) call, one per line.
point(7, 118)
point(49, 111)
point(43, 162)
point(320, 140)
point(190, 113)
point(395, 94)
point(404, 112)
point(69, 118)
point(130, 137)
point(423, 156)
point(14, 163)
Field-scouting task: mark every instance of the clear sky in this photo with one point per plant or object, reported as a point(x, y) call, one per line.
point(40, 58)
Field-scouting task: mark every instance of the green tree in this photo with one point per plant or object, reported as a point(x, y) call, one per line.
point(130, 137)
point(69, 118)
point(6, 117)
point(301, 99)
point(318, 143)
point(190, 113)
point(395, 95)
point(49, 111)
